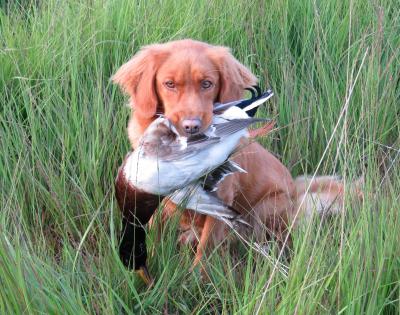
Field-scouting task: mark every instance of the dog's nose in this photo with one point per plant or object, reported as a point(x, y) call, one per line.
point(191, 126)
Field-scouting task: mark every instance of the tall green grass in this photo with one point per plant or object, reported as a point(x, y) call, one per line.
point(334, 67)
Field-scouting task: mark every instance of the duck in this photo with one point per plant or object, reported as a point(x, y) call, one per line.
point(187, 170)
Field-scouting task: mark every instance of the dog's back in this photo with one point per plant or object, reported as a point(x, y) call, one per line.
point(324, 194)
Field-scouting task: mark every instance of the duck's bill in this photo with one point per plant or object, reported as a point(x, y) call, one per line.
point(144, 274)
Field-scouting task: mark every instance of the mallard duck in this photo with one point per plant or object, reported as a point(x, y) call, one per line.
point(186, 169)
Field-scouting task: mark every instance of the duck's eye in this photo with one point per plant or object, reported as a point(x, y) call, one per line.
point(170, 84)
point(206, 84)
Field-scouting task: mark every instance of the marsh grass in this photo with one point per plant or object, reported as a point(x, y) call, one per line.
point(62, 136)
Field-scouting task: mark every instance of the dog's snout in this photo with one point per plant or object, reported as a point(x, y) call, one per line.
point(191, 126)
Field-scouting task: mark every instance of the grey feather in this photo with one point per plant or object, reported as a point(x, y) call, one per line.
point(194, 197)
point(234, 125)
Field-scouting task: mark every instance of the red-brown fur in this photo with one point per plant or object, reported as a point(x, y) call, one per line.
point(267, 193)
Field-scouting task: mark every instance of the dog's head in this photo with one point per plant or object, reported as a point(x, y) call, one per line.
point(182, 80)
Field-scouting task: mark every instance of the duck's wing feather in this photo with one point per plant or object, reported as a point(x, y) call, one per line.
point(234, 125)
point(212, 179)
point(162, 141)
point(195, 198)
point(190, 148)
point(216, 133)
point(170, 147)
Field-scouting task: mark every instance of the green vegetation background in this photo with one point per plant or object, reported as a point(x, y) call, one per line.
point(334, 66)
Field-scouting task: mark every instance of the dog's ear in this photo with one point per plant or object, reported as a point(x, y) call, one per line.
point(234, 77)
point(137, 79)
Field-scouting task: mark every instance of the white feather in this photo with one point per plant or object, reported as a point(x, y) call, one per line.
point(162, 177)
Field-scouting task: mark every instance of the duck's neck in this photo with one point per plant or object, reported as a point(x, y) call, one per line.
point(132, 249)
point(137, 208)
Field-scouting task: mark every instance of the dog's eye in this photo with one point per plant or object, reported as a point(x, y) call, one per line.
point(206, 84)
point(170, 84)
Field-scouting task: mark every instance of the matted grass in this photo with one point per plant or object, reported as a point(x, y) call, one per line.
point(334, 66)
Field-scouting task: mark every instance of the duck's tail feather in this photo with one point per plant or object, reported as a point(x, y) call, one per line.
point(251, 108)
point(250, 105)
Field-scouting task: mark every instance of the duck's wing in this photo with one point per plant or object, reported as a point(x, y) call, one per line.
point(215, 134)
point(189, 147)
point(232, 126)
point(162, 141)
point(211, 180)
point(195, 198)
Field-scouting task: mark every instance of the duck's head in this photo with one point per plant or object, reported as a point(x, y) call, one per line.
point(137, 207)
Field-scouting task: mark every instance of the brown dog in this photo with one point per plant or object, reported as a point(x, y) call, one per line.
point(182, 80)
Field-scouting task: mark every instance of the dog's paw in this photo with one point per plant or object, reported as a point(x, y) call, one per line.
point(189, 237)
